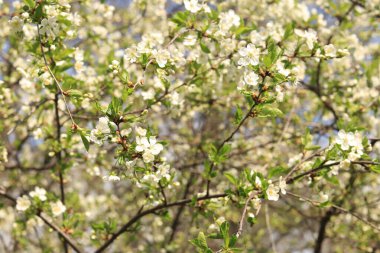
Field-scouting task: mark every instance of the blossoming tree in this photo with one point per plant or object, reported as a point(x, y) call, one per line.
point(189, 126)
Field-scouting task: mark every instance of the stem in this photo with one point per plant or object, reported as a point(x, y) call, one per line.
point(230, 137)
point(53, 76)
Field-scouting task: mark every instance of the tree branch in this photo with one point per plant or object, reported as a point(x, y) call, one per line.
point(46, 220)
point(141, 214)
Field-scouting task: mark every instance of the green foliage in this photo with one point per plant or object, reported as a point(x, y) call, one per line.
point(268, 111)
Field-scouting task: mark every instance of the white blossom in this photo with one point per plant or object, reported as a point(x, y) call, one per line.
point(38, 192)
point(323, 197)
point(49, 27)
point(140, 131)
point(16, 24)
point(257, 38)
point(111, 178)
point(330, 50)
point(251, 78)
point(57, 208)
point(272, 192)
point(149, 146)
point(256, 203)
point(190, 40)
point(103, 125)
point(149, 94)
point(192, 5)
point(249, 55)
point(310, 36)
point(131, 54)
point(228, 20)
point(282, 185)
point(162, 56)
point(281, 69)
point(125, 132)
point(347, 140)
point(23, 203)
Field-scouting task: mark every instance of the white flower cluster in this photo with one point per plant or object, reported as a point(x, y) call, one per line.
point(194, 6)
point(147, 145)
point(114, 67)
point(152, 179)
point(227, 20)
point(24, 202)
point(39, 193)
point(351, 142)
point(49, 27)
point(78, 57)
point(310, 36)
point(273, 191)
point(150, 44)
point(103, 128)
point(249, 55)
point(57, 208)
point(16, 23)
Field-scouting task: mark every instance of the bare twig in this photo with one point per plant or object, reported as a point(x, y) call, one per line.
point(317, 203)
point(53, 76)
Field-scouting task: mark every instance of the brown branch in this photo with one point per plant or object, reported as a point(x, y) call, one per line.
point(232, 135)
point(323, 165)
point(176, 220)
point(141, 214)
point(241, 222)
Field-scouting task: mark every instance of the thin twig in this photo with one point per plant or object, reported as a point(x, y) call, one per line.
point(317, 203)
point(269, 229)
point(53, 76)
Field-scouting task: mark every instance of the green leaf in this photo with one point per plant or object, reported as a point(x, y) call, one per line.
point(180, 18)
point(325, 204)
point(333, 153)
point(307, 140)
point(38, 13)
point(276, 171)
point(233, 241)
point(85, 141)
point(202, 239)
point(242, 30)
point(238, 115)
point(204, 48)
point(272, 55)
point(224, 230)
point(252, 220)
point(30, 3)
point(267, 111)
point(224, 150)
point(289, 30)
point(218, 156)
point(201, 243)
point(124, 76)
point(74, 93)
point(249, 99)
point(114, 108)
point(231, 178)
point(375, 168)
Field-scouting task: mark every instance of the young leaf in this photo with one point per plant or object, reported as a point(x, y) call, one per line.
point(85, 141)
point(267, 111)
point(238, 115)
